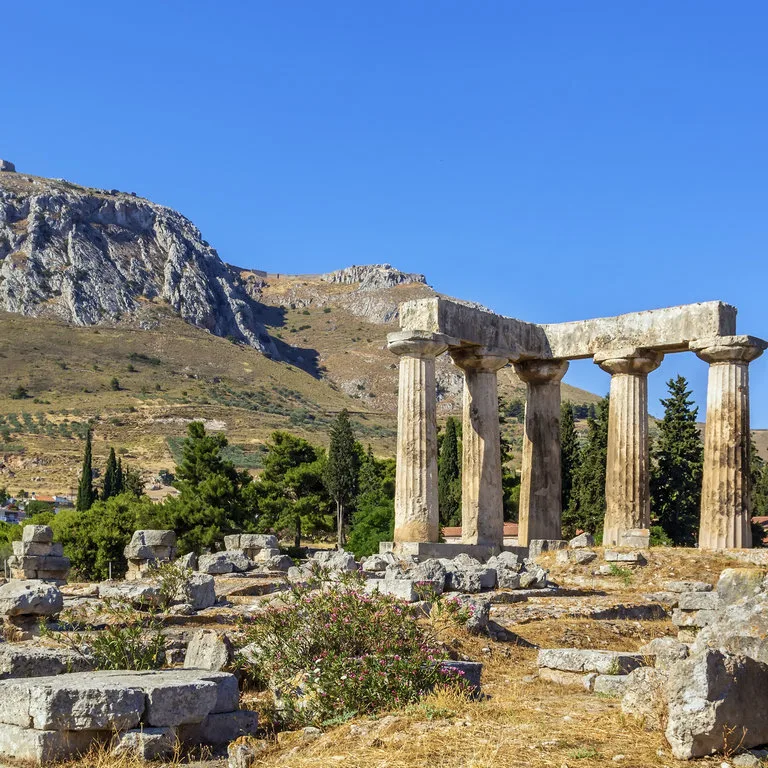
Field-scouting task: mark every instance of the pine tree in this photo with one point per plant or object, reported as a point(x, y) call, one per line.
point(110, 477)
point(449, 475)
point(86, 495)
point(569, 451)
point(677, 463)
point(340, 475)
point(586, 510)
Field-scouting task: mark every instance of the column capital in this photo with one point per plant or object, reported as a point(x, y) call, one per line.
point(727, 349)
point(629, 360)
point(541, 371)
point(478, 359)
point(417, 343)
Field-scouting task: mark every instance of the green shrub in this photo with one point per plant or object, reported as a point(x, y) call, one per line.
point(329, 652)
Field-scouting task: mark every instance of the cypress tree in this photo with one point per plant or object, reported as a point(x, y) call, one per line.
point(119, 478)
point(586, 510)
point(449, 474)
point(569, 451)
point(340, 475)
point(110, 477)
point(85, 492)
point(677, 464)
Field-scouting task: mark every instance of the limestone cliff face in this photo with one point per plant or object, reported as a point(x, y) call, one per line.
point(373, 277)
point(92, 256)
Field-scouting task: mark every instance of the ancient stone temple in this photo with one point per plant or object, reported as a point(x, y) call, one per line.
point(629, 347)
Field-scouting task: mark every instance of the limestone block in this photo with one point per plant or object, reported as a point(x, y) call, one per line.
point(582, 540)
point(146, 743)
point(179, 703)
point(563, 677)
point(639, 538)
point(45, 747)
point(151, 545)
point(687, 586)
point(377, 563)
point(40, 534)
point(737, 583)
point(460, 579)
point(584, 660)
point(644, 696)
point(404, 589)
point(279, 563)
point(200, 591)
point(534, 577)
point(696, 601)
point(507, 578)
point(431, 573)
point(224, 562)
point(188, 561)
point(208, 650)
point(666, 651)
point(479, 612)
point(221, 728)
point(36, 549)
point(716, 700)
point(468, 671)
point(507, 560)
point(22, 598)
point(693, 618)
point(138, 594)
point(537, 546)
point(561, 558)
point(610, 685)
point(30, 660)
point(262, 554)
point(7, 166)
point(627, 558)
point(336, 560)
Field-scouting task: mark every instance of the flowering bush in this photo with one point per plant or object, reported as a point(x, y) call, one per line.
point(329, 651)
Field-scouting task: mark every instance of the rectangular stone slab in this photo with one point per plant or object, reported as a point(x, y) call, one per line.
point(579, 660)
point(45, 747)
point(668, 330)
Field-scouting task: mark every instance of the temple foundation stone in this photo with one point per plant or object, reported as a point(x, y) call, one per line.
point(482, 511)
point(725, 494)
point(416, 500)
point(627, 478)
point(541, 481)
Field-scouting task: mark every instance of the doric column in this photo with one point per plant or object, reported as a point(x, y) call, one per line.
point(416, 512)
point(482, 512)
point(627, 477)
point(541, 488)
point(725, 492)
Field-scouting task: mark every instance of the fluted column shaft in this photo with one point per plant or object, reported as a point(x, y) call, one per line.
point(627, 476)
point(541, 482)
point(416, 499)
point(726, 516)
point(482, 510)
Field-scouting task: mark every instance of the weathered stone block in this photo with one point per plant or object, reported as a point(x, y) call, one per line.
point(693, 618)
point(537, 546)
point(18, 598)
point(564, 677)
point(404, 589)
point(639, 538)
point(221, 728)
point(716, 701)
point(138, 594)
point(580, 660)
point(507, 578)
point(582, 540)
point(208, 650)
point(279, 563)
point(735, 584)
point(533, 577)
point(224, 562)
point(27, 660)
point(610, 685)
point(41, 534)
point(201, 591)
point(468, 671)
point(687, 586)
point(628, 558)
point(666, 651)
point(45, 747)
point(644, 696)
point(146, 743)
point(697, 601)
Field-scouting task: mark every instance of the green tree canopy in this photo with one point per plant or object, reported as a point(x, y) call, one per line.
point(586, 510)
point(449, 475)
point(341, 468)
point(111, 483)
point(291, 492)
point(373, 520)
point(214, 497)
point(86, 494)
point(676, 468)
point(569, 451)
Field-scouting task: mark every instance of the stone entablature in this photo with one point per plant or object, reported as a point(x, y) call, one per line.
point(628, 347)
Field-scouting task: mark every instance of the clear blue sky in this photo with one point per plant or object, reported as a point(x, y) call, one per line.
point(553, 160)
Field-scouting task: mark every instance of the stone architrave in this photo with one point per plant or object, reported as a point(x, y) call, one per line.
point(627, 478)
point(541, 484)
point(482, 511)
point(416, 498)
point(725, 493)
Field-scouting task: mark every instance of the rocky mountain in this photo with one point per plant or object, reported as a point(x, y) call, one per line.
point(91, 256)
